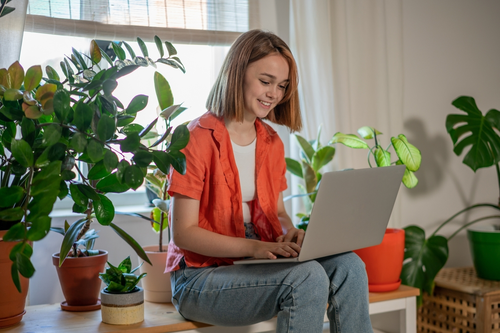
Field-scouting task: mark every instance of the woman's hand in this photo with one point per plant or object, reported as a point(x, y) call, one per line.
point(293, 235)
point(271, 250)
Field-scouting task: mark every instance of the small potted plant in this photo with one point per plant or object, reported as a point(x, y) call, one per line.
point(122, 300)
point(384, 262)
point(426, 256)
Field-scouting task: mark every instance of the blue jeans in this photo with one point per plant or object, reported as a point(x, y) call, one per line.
point(297, 293)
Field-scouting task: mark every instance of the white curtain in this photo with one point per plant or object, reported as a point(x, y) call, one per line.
point(11, 33)
point(349, 54)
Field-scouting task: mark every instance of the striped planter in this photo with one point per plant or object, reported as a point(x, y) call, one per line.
point(122, 309)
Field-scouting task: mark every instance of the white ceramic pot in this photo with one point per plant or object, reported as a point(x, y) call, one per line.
point(156, 283)
point(122, 309)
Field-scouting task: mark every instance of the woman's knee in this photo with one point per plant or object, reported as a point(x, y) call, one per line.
point(310, 279)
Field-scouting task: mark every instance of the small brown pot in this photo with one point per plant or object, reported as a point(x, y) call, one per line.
point(80, 283)
point(12, 302)
point(156, 283)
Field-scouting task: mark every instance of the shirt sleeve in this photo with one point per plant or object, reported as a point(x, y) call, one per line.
point(191, 183)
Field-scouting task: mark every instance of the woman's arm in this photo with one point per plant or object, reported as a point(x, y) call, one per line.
point(187, 235)
point(290, 233)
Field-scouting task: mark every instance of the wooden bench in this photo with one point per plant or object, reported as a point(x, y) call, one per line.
point(164, 318)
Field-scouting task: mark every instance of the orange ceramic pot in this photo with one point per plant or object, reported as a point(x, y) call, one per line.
point(384, 262)
point(79, 279)
point(12, 302)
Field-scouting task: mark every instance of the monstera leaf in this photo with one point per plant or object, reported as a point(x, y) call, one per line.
point(424, 258)
point(475, 130)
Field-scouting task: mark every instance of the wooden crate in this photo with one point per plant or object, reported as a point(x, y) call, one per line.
point(461, 303)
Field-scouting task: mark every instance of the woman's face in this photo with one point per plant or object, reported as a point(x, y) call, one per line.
point(264, 86)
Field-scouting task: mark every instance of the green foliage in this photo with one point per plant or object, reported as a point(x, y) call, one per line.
point(424, 258)
point(121, 279)
point(50, 128)
point(4, 10)
point(406, 153)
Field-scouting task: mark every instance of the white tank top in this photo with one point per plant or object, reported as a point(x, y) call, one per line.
point(245, 161)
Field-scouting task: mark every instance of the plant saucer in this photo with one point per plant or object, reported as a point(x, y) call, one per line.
point(81, 308)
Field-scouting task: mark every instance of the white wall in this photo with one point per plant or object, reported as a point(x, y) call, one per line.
point(451, 48)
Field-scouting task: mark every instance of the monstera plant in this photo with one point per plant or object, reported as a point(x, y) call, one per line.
point(424, 257)
point(71, 137)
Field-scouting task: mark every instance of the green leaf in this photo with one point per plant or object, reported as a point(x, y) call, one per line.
point(11, 195)
point(180, 138)
point(22, 152)
point(129, 49)
point(143, 47)
point(79, 59)
point(24, 265)
point(78, 197)
point(106, 56)
point(79, 142)
point(52, 73)
point(133, 176)
point(110, 160)
point(137, 104)
point(17, 232)
point(409, 178)
point(69, 239)
point(111, 184)
point(88, 192)
point(382, 157)
point(51, 135)
point(349, 140)
point(28, 131)
point(106, 127)
point(95, 150)
point(61, 104)
point(309, 177)
point(163, 91)
point(474, 130)
point(148, 128)
point(47, 184)
point(118, 51)
point(407, 153)
point(424, 258)
point(95, 52)
point(162, 161)
point(83, 116)
point(33, 77)
point(178, 160)
point(143, 158)
point(133, 243)
point(98, 171)
point(16, 72)
point(104, 210)
point(120, 172)
point(367, 132)
point(159, 45)
point(109, 86)
point(322, 157)
point(63, 188)
point(171, 49)
point(131, 143)
point(13, 268)
point(39, 228)
point(294, 167)
point(305, 146)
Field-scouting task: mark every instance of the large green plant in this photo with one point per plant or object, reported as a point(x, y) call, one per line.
point(50, 128)
point(424, 257)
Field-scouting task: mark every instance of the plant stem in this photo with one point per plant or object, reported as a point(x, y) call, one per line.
point(370, 152)
point(162, 216)
point(28, 193)
point(463, 211)
point(472, 222)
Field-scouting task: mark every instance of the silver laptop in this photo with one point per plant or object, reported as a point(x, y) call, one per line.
point(351, 211)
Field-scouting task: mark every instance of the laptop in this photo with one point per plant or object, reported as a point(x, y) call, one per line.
point(351, 211)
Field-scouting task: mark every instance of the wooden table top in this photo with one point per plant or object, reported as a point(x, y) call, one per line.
point(157, 318)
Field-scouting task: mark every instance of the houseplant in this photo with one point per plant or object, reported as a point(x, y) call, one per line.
point(384, 261)
point(122, 299)
point(4, 9)
point(28, 190)
point(78, 122)
point(426, 256)
point(314, 157)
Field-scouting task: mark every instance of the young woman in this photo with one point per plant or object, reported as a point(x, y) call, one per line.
point(229, 205)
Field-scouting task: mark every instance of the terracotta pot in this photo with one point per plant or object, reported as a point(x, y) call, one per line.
point(12, 302)
point(384, 262)
point(157, 283)
point(79, 279)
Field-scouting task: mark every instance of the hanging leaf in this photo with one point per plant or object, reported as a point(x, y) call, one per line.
point(180, 138)
point(407, 153)
point(163, 91)
point(349, 140)
point(104, 210)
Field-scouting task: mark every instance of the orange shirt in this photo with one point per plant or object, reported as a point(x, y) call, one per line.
point(212, 178)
